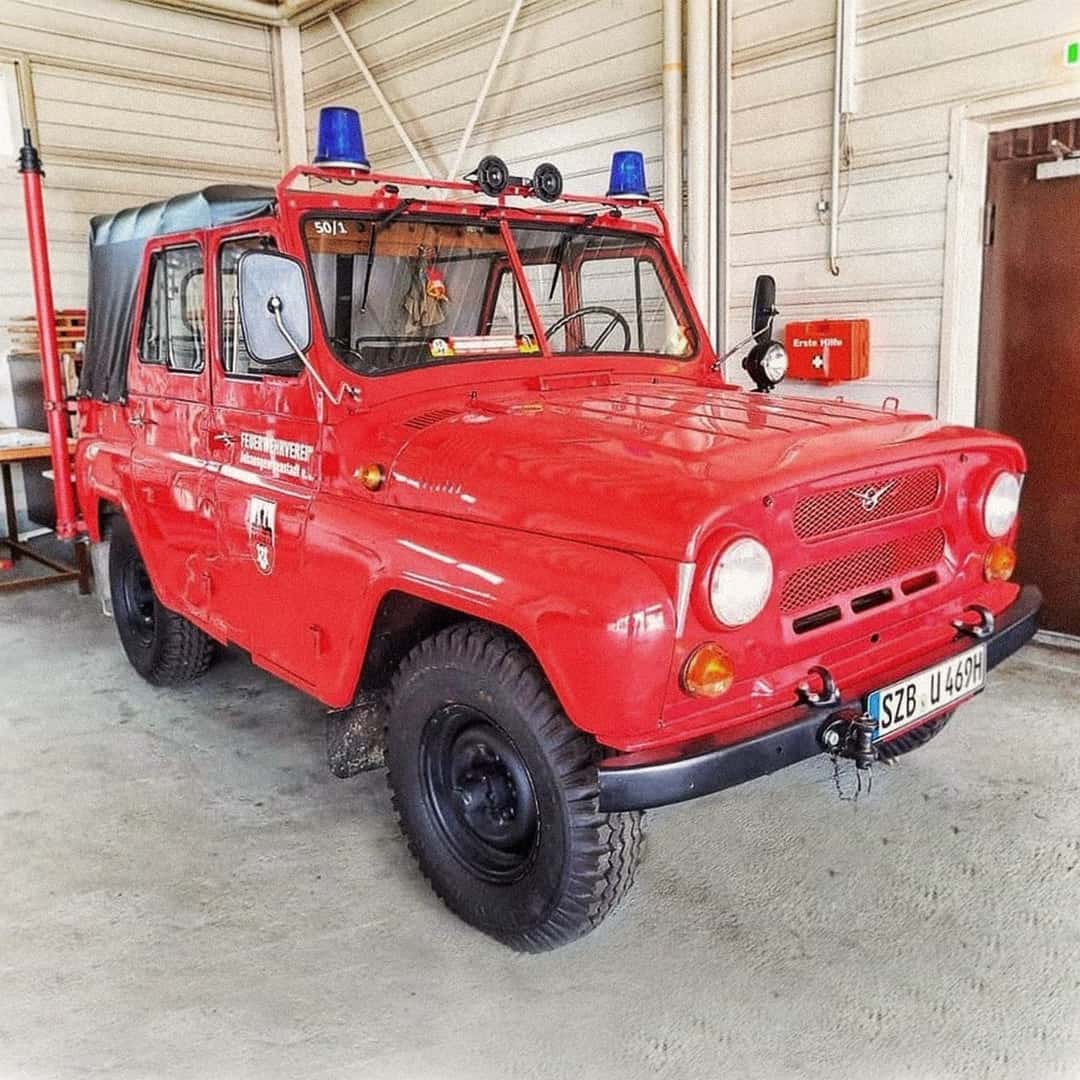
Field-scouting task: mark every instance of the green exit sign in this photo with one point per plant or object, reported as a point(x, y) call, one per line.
point(1072, 54)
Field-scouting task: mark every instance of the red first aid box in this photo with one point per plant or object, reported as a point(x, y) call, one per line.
point(833, 350)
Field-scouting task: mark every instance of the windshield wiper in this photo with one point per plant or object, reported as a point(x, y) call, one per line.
point(376, 225)
point(560, 254)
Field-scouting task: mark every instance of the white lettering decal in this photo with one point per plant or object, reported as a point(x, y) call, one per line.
point(278, 456)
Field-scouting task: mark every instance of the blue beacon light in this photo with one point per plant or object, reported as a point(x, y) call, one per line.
point(628, 174)
point(341, 142)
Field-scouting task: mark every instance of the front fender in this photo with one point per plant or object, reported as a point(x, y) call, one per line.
point(600, 622)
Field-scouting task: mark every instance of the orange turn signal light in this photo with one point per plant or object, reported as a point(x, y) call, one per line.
point(1000, 562)
point(371, 476)
point(708, 671)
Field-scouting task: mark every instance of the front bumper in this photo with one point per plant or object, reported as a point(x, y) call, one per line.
point(656, 778)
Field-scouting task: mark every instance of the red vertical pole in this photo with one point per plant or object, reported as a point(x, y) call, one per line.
point(67, 527)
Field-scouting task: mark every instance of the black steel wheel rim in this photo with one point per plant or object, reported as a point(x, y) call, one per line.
point(480, 793)
point(140, 605)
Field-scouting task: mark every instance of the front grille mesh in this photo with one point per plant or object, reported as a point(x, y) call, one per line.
point(873, 566)
point(842, 508)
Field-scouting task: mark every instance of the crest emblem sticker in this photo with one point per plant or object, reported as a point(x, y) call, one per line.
point(261, 521)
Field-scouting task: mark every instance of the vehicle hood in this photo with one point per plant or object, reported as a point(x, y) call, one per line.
point(646, 467)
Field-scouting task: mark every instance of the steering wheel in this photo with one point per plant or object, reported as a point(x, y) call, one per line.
point(615, 317)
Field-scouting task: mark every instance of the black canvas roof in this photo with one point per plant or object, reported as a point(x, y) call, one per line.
point(117, 242)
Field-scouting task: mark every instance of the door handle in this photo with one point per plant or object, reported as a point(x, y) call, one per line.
point(222, 438)
point(136, 421)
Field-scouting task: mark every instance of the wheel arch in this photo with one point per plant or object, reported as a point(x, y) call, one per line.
point(599, 623)
point(103, 512)
point(402, 620)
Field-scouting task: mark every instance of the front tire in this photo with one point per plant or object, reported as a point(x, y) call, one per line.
point(497, 792)
point(163, 647)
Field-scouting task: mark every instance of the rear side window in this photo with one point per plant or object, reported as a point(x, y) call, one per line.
point(174, 320)
point(235, 358)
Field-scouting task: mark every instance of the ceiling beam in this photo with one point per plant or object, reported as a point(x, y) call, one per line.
point(379, 96)
point(262, 12)
point(496, 60)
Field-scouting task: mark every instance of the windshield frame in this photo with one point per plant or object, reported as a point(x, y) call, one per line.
point(506, 220)
point(667, 279)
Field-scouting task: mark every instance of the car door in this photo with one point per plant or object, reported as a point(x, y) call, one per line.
point(168, 407)
point(265, 439)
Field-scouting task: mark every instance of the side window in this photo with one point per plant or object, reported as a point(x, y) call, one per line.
point(174, 321)
point(235, 358)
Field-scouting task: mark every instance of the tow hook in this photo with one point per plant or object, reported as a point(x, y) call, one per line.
point(828, 695)
point(980, 630)
point(848, 734)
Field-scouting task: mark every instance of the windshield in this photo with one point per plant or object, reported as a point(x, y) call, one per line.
point(600, 291)
point(406, 291)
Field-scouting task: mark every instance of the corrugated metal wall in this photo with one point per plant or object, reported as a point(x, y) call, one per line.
point(915, 60)
point(134, 103)
point(580, 78)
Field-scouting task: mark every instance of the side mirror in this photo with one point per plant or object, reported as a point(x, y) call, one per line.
point(271, 285)
point(767, 361)
point(764, 310)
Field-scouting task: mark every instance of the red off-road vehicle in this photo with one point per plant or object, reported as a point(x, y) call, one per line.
point(459, 459)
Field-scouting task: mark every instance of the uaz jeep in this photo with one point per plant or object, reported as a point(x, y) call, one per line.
point(459, 457)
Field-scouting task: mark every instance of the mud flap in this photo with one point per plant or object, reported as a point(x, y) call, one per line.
point(355, 737)
point(99, 558)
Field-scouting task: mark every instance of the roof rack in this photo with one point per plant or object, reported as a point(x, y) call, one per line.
point(390, 183)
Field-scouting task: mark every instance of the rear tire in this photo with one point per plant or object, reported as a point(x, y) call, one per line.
point(163, 647)
point(914, 739)
point(497, 792)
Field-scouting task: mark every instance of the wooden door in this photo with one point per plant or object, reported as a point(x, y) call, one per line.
point(1029, 353)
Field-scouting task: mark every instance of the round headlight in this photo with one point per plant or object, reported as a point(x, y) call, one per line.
point(774, 363)
point(1002, 504)
point(741, 582)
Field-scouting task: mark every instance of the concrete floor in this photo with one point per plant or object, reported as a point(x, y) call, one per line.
point(188, 893)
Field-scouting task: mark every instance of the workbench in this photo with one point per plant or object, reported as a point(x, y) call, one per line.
point(17, 446)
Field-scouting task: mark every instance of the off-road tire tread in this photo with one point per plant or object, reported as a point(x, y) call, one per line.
point(914, 739)
point(186, 653)
point(605, 848)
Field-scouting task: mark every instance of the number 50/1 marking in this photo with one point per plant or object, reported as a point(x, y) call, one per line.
point(331, 228)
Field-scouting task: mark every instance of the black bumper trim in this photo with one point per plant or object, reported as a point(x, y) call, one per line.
point(700, 770)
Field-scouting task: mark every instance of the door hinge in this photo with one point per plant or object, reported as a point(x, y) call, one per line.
point(989, 224)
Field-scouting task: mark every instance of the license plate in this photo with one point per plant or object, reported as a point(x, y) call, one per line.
point(904, 704)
